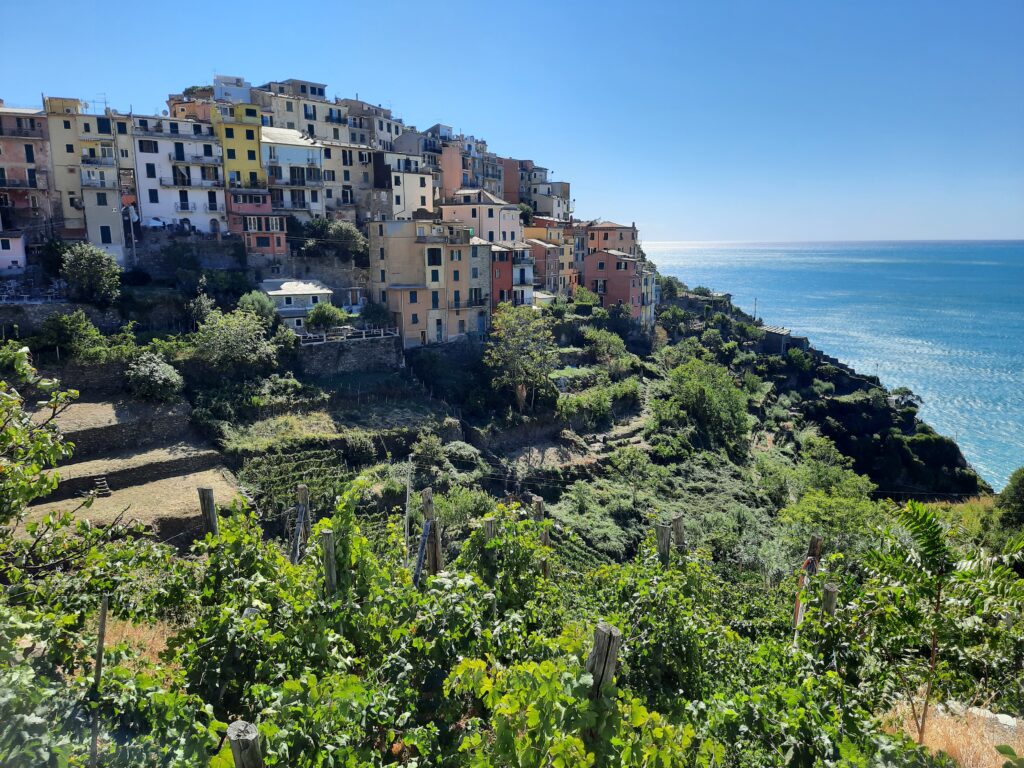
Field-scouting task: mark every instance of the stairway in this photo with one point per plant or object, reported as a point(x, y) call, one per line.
point(102, 489)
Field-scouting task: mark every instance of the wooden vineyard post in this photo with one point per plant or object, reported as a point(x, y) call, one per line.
point(545, 567)
point(829, 598)
point(490, 528)
point(430, 553)
point(538, 516)
point(330, 572)
point(601, 662)
point(101, 636)
point(245, 745)
point(807, 570)
point(663, 534)
point(679, 534)
point(302, 500)
point(208, 510)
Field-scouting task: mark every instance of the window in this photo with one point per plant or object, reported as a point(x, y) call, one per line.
point(250, 134)
point(412, 297)
point(475, 273)
point(287, 301)
point(207, 149)
point(251, 154)
point(67, 125)
point(490, 236)
point(101, 198)
point(415, 319)
point(345, 176)
point(398, 199)
point(314, 299)
point(147, 146)
point(423, 201)
point(434, 276)
point(433, 257)
point(289, 106)
point(150, 170)
point(229, 133)
point(5, 245)
point(298, 322)
point(423, 181)
point(154, 196)
point(105, 235)
point(384, 298)
point(30, 154)
point(383, 278)
point(490, 213)
point(231, 154)
point(435, 299)
point(455, 276)
point(69, 148)
point(605, 237)
point(262, 241)
point(327, 152)
point(600, 265)
point(472, 213)
point(124, 153)
point(86, 128)
point(382, 254)
point(455, 256)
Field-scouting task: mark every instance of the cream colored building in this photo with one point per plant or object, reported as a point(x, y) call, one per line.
point(491, 217)
point(294, 299)
point(433, 277)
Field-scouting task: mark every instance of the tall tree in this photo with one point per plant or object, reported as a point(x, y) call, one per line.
point(521, 352)
point(92, 274)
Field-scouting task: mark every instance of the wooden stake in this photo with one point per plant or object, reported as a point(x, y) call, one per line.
point(245, 744)
point(814, 551)
point(663, 533)
point(679, 534)
point(830, 596)
point(302, 500)
point(101, 636)
point(490, 528)
point(807, 570)
point(435, 556)
point(545, 567)
point(330, 574)
point(208, 509)
point(601, 662)
point(538, 508)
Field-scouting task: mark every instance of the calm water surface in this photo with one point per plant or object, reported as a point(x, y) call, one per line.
point(943, 318)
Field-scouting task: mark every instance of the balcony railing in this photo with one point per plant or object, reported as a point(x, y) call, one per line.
point(7, 183)
point(518, 259)
point(29, 133)
point(184, 207)
point(296, 182)
point(242, 185)
point(91, 160)
point(471, 303)
point(289, 205)
point(212, 207)
point(194, 159)
point(100, 183)
point(177, 181)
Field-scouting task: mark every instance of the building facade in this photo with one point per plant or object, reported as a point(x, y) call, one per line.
point(294, 165)
point(491, 217)
point(294, 299)
point(26, 203)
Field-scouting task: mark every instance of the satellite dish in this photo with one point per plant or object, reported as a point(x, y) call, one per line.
point(164, 113)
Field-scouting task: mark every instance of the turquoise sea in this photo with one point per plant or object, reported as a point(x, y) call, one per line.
point(943, 318)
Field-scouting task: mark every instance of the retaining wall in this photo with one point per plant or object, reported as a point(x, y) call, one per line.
point(352, 356)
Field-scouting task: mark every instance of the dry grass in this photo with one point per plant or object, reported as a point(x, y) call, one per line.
point(149, 640)
point(970, 740)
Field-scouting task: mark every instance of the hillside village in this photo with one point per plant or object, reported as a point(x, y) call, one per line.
point(454, 229)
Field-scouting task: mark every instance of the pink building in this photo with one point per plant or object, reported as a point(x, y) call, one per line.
point(251, 216)
point(617, 278)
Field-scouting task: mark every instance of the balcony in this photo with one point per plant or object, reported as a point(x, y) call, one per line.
point(91, 160)
point(178, 181)
point(289, 205)
point(28, 133)
point(185, 207)
point(336, 119)
point(257, 186)
point(296, 182)
point(157, 131)
point(471, 303)
point(6, 183)
point(213, 208)
point(523, 281)
point(194, 159)
point(99, 183)
point(523, 259)
point(90, 136)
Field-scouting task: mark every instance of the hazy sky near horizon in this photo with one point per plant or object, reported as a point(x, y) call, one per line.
point(789, 120)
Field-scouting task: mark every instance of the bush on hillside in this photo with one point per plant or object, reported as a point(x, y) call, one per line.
point(324, 316)
point(73, 334)
point(259, 304)
point(150, 378)
point(92, 274)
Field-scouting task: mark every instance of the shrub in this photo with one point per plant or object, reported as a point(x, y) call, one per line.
point(150, 378)
point(92, 274)
point(73, 334)
point(373, 313)
point(324, 316)
point(259, 304)
point(235, 343)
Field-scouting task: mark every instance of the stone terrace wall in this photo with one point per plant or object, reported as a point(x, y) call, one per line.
point(352, 356)
point(29, 317)
point(142, 424)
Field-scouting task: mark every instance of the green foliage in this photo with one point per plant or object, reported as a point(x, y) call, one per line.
point(1011, 500)
point(73, 334)
point(150, 378)
point(594, 407)
point(671, 287)
point(235, 344)
point(521, 352)
point(525, 214)
point(699, 406)
point(92, 274)
point(583, 295)
point(325, 315)
point(333, 237)
point(375, 314)
point(259, 304)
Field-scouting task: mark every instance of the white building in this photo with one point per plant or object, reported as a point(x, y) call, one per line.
point(233, 89)
point(12, 252)
point(492, 218)
point(178, 172)
point(294, 164)
point(294, 298)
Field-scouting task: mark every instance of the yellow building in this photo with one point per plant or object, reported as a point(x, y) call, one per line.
point(94, 173)
point(238, 128)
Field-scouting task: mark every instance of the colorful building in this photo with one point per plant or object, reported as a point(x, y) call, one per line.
point(179, 173)
point(433, 277)
point(294, 164)
point(619, 278)
point(492, 218)
point(26, 202)
point(602, 235)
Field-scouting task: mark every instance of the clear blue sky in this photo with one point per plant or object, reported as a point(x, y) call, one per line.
point(699, 120)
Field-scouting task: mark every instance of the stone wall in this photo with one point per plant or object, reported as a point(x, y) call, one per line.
point(146, 425)
point(354, 355)
point(92, 381)
point(29, 317)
